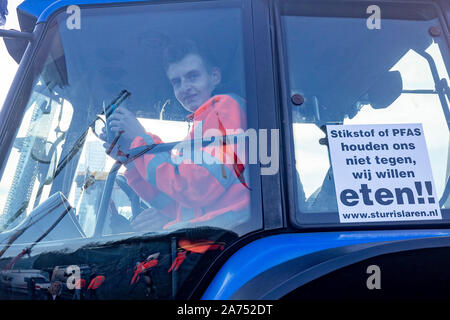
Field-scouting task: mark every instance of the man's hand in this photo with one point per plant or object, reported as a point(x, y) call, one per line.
point(117, 152)
point(149, 220)
point(124, 120)
point(125, 125)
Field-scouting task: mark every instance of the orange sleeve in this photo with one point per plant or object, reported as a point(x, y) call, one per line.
point(144, 189)
point(195, 185)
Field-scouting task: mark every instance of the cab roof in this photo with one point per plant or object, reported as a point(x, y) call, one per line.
point(31, 12)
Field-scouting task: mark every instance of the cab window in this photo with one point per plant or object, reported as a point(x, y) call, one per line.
point(350, 73)
point(126, 179)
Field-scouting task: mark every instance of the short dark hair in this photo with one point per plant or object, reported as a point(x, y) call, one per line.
point(178, 50)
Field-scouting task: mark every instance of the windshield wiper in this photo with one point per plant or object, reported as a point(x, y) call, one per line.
point(80, 141)
point(443, 92)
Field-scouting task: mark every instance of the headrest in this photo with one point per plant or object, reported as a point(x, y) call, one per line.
point(385, 90)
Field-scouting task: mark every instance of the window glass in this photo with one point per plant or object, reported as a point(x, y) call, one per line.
point(349, 73)
point(127, 177)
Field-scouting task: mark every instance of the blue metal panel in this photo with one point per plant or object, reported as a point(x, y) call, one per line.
point(42, 9)
point(268, 252)
point(34, 7)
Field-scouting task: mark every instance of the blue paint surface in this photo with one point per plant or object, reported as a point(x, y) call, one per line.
point(42, 9)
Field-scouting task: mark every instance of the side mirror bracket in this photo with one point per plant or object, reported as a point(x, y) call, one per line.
point(16, 42)
point(16, 34)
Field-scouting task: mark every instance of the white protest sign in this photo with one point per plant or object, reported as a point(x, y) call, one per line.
point(382, 173)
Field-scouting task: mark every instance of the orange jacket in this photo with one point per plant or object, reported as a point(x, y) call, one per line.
point(141, 267)
point(189, 191)
point(96, 282)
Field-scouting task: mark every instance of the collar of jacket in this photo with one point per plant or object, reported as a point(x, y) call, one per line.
point(196, 114)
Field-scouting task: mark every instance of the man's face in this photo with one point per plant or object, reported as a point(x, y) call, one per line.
point(191, 81)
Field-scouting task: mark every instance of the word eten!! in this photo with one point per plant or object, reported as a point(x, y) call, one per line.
point(384, 196)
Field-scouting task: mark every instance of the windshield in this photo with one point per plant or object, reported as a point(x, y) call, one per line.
point(72, 176)
point(358, 77)
point(81, 72)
